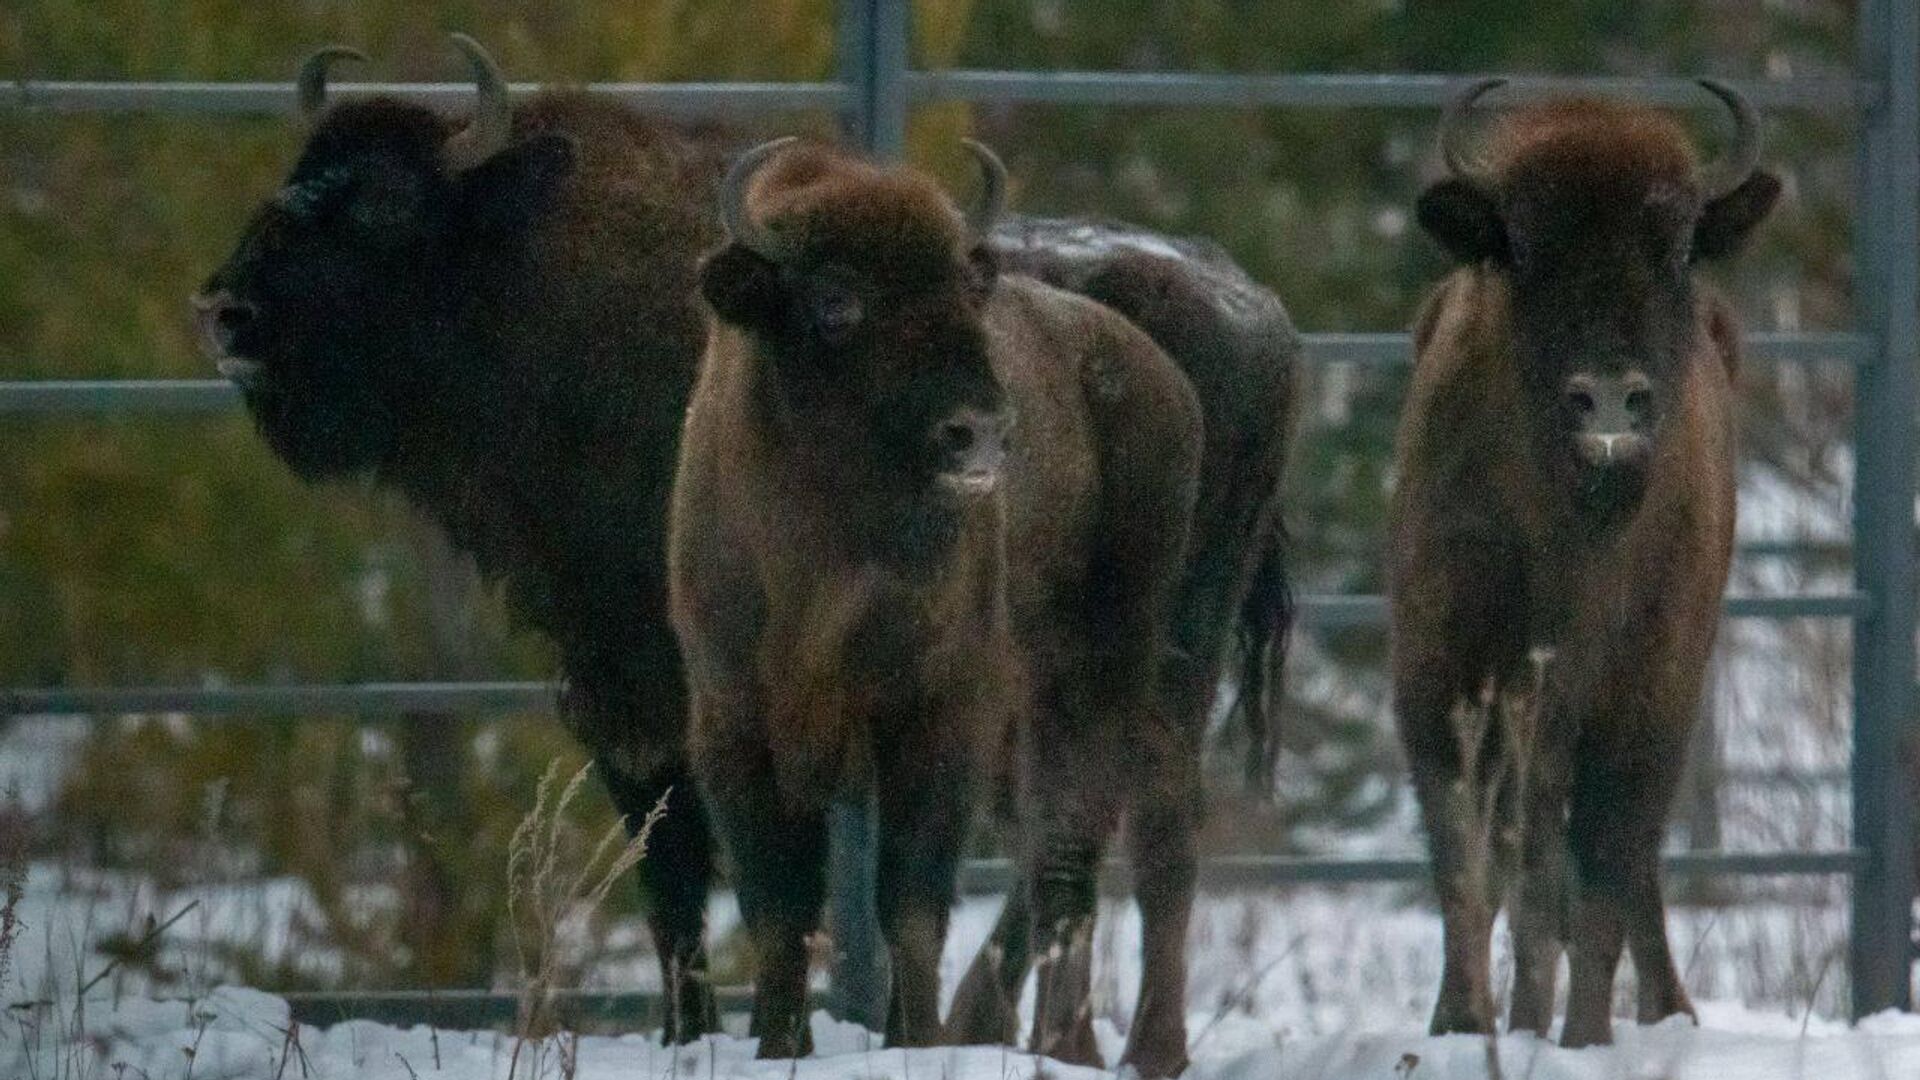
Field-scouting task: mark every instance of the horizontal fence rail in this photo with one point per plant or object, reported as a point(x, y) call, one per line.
point(126, 396)
point(1397, 91)
point(1234, 873)
point(464, 1010)
point(1342, 611)
point(1174, 89)
point(460, 1009)
point(356, 698)
point(267, 98)
point(517, 696)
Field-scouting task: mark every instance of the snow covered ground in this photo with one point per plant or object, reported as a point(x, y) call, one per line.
point(1302, 983)
point(236, 1034)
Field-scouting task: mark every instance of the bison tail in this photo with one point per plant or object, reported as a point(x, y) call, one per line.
point(1266, 620)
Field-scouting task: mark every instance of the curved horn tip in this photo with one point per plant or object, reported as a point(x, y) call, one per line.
point(1458, 162)
point(1744, 155)
point(993, 187)
point(311, 82)
point(733, 199)
point(476, 54)
point(492, 124)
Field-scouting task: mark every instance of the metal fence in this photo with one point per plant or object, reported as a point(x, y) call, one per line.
point(876, 88)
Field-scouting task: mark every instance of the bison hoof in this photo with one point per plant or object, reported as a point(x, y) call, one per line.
point(1458, 1020)
point(1579, 1034)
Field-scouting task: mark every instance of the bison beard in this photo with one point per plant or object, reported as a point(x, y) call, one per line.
point(1560, 536)
point(862, 373)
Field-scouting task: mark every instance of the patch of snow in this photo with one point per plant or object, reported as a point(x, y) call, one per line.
point(234, 1034)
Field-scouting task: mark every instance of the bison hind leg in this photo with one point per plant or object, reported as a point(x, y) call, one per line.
point(986, 1004)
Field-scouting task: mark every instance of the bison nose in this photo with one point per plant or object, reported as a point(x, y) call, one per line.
point(1612, 416)
point(221, 317)
point(972, 447)
point(1610, 404)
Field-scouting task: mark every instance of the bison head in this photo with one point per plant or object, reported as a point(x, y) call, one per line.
point(862, 292)
point(327, 310)
point(1596, 214)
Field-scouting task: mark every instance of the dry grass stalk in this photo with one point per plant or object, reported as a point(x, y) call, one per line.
point(1488, 772)
point(543, 892)
point(13, 886)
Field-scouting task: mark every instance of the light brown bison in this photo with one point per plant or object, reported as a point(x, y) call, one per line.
point(1560, 533)
point(917, 502)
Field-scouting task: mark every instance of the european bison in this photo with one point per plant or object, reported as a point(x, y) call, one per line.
point(510, 339)
point(917, 500)
point(1561, 532)
point(500, 319)
point(1236, 345)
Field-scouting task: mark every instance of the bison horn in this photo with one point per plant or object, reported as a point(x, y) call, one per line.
point(312, 80)
point(1459, 162)
point(492, 122)
point(993, 189)
point(733, 202)
point(1744, 156)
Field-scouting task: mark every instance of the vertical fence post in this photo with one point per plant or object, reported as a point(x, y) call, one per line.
point(873, 37)
point(1887, 297)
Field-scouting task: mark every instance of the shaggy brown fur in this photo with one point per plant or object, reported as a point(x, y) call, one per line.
point(851, 618)
point(1512, 533)
point(511, 347)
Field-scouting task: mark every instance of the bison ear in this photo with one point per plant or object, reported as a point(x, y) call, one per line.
point(1726, 222)
point(514, 186)
point(1465, 219)
point(742, 286)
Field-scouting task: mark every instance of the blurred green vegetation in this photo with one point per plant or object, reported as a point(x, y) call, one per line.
point(141, 550)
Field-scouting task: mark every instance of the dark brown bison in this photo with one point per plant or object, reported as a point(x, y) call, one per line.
point(917, 501)
point(499, 318)
point(1236, 345)
point(1560, 535)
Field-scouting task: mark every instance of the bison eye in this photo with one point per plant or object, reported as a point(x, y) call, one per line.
point(836, 311)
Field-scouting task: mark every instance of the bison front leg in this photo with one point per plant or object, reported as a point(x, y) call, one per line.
point(1450, 782)
point(1540, 916)
point(780, 871)
point(1661, 992)
point(1623, 786)
point(779, 867)
point(923, 826)
point(1607, 837)
point(674, 879)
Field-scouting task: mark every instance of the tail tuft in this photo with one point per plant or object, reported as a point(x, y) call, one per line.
point(1266, 621)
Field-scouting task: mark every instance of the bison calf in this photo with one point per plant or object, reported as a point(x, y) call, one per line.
point(916, 502)
point(1561, 532)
